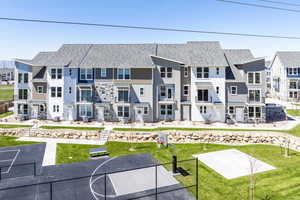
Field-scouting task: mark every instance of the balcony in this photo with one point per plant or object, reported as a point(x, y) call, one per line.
point(39, 80)
point(208, 101)
point(256, 101)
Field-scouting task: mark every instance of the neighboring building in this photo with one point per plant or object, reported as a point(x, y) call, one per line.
point(7, 71)
point(132, 82)
point(245, 86)
point(285, 70)
point(268, 78)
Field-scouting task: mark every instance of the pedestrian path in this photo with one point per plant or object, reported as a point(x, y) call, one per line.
point(51, 143)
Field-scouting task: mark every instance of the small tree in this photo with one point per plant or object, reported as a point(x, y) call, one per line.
point(252, 178)
point(131, 148)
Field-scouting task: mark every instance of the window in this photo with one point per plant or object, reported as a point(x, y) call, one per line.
point(185, 90)
point(217, 70)
point(231, 110)
point(293, 85)
point(103, 73)
point(86, 74)
point(254, 78)
point(56, 73)
point(54, 108)
point(254, 95)
point(254, 112)
point(56, 91)
point(23, 78)
point(218, 89)
point(292, 71)
point(233, 90)
point(40, 89)
point(85, 111)
point(293, 95)
point(59, 73)
point(70, 90)
point(162, 109)
point(202, 72)
point(203, 109)
point(123, 111)
point(141, 91)
point(169, 109)
point(57, 108)
point(123, 94)
point(186, 72)
point(145, 110)
point(202, 95)
point(23, 94)
point(124, 74)
point(162, 91)
point(86, 94)
point(166, 72)
point(70, 72)
point(23, 109)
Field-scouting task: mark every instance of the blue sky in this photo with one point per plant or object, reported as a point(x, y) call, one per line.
point(24, 40)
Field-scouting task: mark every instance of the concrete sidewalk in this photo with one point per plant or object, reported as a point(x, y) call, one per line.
point(50, 151)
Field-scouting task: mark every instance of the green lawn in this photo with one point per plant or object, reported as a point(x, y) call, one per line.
point(14, 126)
point(6, 141)
point(6, 114)
point(293, 112)
point(73, 128)
point(6, 92)
point(280, 184)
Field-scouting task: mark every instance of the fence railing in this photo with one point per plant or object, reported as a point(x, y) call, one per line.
point(156, 188)
point(17, 165)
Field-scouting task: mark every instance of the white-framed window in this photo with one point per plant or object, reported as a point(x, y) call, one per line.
point(217, 70)
point(70, 72)
point(40, 89)
point(123, 111)
point(231, 110)
point(254, 95)
point(162, 91)
point(55, 108)
point(23, 109)
point(103, 72)
point(86, 94)
point(293, 94)
point(254, 78)
point(22, 77)
point(70, 90)
point(185, 71)
point(233, 90)
point(203, 109)
point(141, 91)
point(146, 111)
point(292, 71)
point(56, 91)
point(218, 89)
point(166, 72)
point(202, 72)
point(185, 90)
point(293, 84)
point(23, 94)
point(254, 112)
point(86, 74)
point(56, 73)
point(123, 94)
point(124, 74)
point(166, 109)
point(85, 111)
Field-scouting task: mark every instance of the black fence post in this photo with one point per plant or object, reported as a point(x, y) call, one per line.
point(105, 186)
point(51, 189)
point(197, 180)
point(0, 173)
point(156, 187)
point(34, 172)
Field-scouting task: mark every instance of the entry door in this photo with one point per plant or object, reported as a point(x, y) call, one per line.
point(186, 113)
point(139, 115)
point(35, 111)
point(239, 114)
point(70, 114)
point(100, 114)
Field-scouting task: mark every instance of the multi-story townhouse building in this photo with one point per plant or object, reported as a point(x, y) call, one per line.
point(285, 70)
point(127, 82)
point(245, 86)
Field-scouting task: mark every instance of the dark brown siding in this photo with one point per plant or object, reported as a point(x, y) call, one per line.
point(109, 73)
point(141, 73)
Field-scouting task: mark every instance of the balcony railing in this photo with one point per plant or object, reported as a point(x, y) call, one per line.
point(261, 100)
point(198, 100)
point(160, 98)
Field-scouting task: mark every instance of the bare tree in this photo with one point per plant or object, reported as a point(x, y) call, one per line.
point(252, 178)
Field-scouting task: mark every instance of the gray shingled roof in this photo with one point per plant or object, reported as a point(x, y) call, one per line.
point(41, 59)
point(206, 54)
point(238, 56)
point(70, 54)
point(132, 55)
point(289, 58)
point(119, 55)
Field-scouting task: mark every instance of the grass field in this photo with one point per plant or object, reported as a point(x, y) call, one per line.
point(14, 126)
point(6, 92)
point(73, 128)
point(279, 184)
point(6, 141)
point(6, 114)
point(293, 112)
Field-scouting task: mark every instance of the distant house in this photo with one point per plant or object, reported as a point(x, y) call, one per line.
point(285, 71)
point(7, 69)
point(268, 77)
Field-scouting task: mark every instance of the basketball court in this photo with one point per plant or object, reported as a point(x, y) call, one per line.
point(232, 163)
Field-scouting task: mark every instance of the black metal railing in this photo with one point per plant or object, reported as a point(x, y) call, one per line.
point(156, 193)
point(16, 165)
